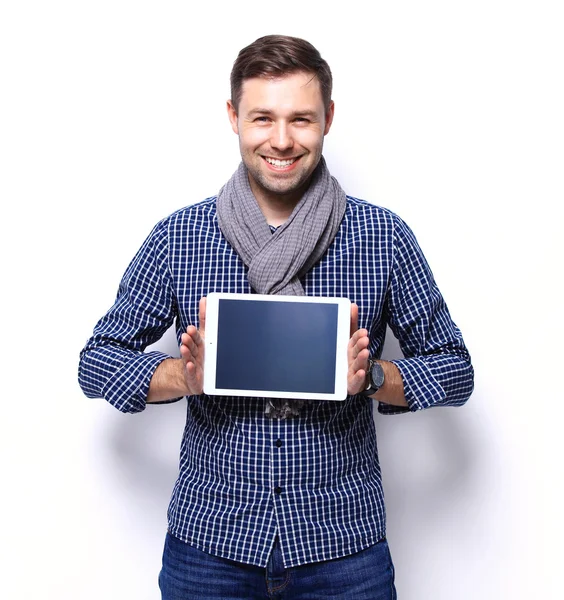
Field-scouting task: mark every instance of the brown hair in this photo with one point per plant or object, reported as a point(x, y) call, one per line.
point(276, 56)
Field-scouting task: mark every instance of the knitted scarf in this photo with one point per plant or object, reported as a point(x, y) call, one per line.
point(276, 261)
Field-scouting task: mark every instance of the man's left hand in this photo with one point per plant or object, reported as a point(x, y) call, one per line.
point(357, 354)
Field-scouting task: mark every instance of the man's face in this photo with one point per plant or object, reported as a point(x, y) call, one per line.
point(281, 124)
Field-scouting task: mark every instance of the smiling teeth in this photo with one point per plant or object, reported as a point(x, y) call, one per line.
point(280, 163)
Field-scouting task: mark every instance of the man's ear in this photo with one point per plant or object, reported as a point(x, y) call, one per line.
point(329, 114)
point(232, 114)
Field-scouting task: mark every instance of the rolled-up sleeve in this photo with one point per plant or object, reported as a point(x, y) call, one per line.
point(113, 364)
point(436, 368)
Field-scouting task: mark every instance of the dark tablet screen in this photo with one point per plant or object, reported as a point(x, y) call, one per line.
point(282, 346)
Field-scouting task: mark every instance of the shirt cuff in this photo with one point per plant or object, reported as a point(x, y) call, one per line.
point(420, 387)
point(128, 388)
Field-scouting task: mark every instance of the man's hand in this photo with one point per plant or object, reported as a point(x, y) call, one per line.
point(357, 354)
point(192, 353)
point(177, 377)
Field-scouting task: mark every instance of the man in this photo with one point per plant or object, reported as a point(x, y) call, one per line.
point(279, 499)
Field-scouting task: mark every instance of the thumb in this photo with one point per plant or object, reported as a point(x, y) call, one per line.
point(202, 315)
point(354, 318)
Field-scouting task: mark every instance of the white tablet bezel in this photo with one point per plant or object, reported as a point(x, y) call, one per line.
point(342, 338)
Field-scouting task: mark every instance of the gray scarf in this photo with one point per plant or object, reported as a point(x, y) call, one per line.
point(276, 261)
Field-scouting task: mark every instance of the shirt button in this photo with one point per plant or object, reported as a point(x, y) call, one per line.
point(278, 443)
point(277, 490)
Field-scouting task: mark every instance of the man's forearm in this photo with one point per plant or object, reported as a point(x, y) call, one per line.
point(392, 391)
point(168, 381)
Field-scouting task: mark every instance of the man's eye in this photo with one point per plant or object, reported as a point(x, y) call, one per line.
point(261, 119)
point(301, 120)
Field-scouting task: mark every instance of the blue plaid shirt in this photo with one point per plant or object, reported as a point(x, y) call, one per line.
point(313, 480)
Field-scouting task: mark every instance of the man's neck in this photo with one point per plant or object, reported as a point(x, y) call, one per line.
point(277, 215)
point(276, 208)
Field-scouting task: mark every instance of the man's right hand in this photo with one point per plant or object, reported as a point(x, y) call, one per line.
point(192, 354)
point(177, 377)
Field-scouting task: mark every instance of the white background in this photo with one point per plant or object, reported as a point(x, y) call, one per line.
point(112, 115)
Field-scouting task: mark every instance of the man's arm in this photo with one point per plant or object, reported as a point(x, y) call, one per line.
point(113, 364)
point(436, 369)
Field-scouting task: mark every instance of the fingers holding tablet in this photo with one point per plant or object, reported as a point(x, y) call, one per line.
point(357, 354)
point(192, 352)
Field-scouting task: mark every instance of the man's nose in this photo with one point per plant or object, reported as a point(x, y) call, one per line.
point(281, 137)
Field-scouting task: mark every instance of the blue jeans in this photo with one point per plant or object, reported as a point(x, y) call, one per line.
point(189, 573)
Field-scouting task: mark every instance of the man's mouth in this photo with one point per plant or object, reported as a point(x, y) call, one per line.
point(280, 163)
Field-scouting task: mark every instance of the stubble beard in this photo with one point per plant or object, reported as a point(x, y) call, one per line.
point(284, 186)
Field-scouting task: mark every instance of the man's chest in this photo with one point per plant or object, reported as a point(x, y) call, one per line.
point(358, 269)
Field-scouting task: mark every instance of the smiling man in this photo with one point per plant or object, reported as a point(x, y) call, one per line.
point(279, 498)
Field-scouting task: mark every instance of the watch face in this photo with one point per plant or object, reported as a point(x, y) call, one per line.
point(377, 375)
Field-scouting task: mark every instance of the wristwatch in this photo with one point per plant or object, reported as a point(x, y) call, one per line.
point(374, 379)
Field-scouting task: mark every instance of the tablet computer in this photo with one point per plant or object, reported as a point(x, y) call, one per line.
point(276, 346)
